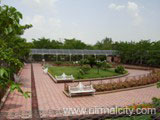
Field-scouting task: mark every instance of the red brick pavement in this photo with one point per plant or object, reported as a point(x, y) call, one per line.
point(16, 106)
point(50, 95)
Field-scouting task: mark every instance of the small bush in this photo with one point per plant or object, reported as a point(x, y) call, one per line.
point(92, 61)
point(80, 74)
point(156, 102)
point(58, 63)
point(85, 69)
point(83, 62)
point(106, 66)
point(120, 69)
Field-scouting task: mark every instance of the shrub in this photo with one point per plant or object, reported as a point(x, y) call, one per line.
point(106, 65)
point(120, 69)
point(80, 74)
point(83, 62)
point(99, 65)
point(158, 84)
point(58, 63)
point(85, 69)
point(91, 61)
point(156, 102)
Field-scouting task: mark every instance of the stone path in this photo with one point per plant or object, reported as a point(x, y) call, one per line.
point(50, 95)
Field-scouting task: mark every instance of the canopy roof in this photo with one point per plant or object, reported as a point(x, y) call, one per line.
point(71, 52)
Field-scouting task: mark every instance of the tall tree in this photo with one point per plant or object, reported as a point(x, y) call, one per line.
point(10, 31)
point(46, 43)
point(74, 44)
point(105, 44)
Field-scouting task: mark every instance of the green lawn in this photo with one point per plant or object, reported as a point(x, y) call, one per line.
point(142, 117)
point(68, 70)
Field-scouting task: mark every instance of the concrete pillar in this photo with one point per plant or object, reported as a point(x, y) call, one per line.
point(95, 56)
point(56, 57)
point(109, 58)
point(70, 57)
point(42, 56)
point(82, 56)
point(106, 57)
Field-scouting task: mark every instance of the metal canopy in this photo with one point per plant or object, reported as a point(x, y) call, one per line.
point(71, 52)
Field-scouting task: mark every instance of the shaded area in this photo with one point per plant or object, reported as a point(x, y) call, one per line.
point(35, 112)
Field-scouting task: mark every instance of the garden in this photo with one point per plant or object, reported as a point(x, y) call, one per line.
point(15, 51)
point(87, 69)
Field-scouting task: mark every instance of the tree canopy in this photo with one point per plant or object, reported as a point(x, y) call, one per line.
point(13, 48)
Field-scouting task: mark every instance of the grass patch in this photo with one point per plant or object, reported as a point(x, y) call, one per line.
point(140, 117)
point(92, 73)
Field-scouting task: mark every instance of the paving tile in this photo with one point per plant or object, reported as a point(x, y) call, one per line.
point(16, 103)
point(50, 94)
point(51, 97)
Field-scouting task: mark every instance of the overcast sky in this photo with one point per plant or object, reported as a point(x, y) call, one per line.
point(90, 20)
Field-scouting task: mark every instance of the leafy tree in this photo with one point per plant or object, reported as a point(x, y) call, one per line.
point(99, 65)
point(143, 52)
point(92, 61)
point(105, 44)
point(11, 46)
point(19, 46)
point(45, 43)
point(10, 22)
point(74, 44)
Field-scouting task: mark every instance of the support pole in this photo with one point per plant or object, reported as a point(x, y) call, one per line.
point(95, 56)
point(56, 57)
point(70, 57)
point(82, 56)
point(42, 56)
point(106, 58)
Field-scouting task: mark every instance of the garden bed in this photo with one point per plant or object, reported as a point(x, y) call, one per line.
point(144, 81)
point(92, 74)
point(125, 89)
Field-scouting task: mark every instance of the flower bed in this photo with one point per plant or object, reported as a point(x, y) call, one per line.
point(149, 79)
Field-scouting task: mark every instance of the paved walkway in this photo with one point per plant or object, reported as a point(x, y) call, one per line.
point(50, 95)
point(16, 105)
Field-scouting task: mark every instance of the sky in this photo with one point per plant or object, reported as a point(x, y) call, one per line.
point(90, 20)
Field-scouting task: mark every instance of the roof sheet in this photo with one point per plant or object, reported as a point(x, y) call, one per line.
point(71, 51)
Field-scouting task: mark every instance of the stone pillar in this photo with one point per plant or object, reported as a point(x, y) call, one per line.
point(106, 58)
point(70, 57)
